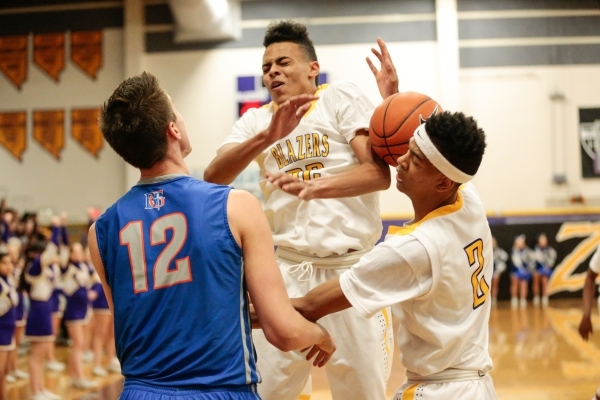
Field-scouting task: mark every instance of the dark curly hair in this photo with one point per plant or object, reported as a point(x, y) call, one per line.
point(134, 120)
point(290, 31)
point(458, 138)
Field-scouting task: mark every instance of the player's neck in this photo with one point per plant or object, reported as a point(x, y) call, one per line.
point(166, 166)
point(426, 205)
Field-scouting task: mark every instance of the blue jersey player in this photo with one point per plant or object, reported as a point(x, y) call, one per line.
point(179, 258)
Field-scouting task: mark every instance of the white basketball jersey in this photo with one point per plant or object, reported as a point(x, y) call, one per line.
point(318, 147)
point(448, 326)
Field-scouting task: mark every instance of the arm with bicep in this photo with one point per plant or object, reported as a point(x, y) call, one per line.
point(391, 273)
point(371, 175)
point(98, 265)
point(285, 328)
point(233, 158)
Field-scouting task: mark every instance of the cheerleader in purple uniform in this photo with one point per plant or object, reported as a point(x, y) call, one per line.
point(8, 301)
point(14, 251)
point(39, 331)
point(75, 285)
point(61, 239)
point(104, 334)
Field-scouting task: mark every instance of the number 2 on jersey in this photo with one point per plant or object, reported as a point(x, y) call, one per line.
point(132, 236)
point(480, 286)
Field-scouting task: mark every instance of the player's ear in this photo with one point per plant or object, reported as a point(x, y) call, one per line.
point(445, 184)
point(172, 131)
point(314, 69)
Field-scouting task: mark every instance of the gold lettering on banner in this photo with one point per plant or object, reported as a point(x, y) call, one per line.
point(49, 53)
point(13, 133)
point(13, 58)
point(85, 129)
point(49, 130)
point(86, 51)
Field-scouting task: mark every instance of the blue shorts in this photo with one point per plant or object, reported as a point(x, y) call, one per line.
point(39, 321)
point(521, 274)
point(100, 303)
point(140, 391)
point(77, 307)
point(545, 271)
point(20, 308)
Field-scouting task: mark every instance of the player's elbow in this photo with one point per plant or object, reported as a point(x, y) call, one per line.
point(285, 339)
point(212, 175)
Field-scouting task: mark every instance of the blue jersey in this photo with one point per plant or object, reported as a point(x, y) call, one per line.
point(177, 281)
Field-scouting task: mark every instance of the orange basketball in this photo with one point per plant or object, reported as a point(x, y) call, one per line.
point(395, 120)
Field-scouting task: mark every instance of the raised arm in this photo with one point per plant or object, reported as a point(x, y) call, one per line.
point(233, 158)
point(386, 77)
point(371, 175)
point(285, 328)
point(98, 266)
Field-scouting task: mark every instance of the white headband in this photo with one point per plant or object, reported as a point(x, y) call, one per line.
point(437, 159)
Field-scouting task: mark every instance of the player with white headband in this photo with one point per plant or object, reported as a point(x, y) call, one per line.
point(435, 271)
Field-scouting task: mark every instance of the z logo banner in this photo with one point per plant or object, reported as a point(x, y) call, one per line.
point(564, 278)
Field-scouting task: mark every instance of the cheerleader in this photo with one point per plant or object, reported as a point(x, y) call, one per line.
point(61, 240)
point(14, 251)
point(500, 258)
point(523, 261)
point(75, 285)
point(38, 330)
point(8, 301)
point(545, 257)
point(104, 334)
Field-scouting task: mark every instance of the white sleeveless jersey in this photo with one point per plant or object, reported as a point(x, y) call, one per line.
point(318, 147)
point(443, 312)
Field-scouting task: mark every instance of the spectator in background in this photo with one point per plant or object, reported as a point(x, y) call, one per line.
point(523, 264)
point(545, 258)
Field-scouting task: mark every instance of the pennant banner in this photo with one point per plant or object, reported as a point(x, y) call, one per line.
point(86, 51)
point(85, 129)
point(49, 130)
point(49, 53)
point(13, 133)
point(13, 58)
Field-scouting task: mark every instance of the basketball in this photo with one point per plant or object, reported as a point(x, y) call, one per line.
point(395, 120)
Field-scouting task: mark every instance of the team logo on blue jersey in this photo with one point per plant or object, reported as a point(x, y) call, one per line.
point(155, 200)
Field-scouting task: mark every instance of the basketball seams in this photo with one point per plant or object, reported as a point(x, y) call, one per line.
point(404, 113)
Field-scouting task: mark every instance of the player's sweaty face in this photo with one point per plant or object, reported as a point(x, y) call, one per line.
point(287, 71)
point(416, 176)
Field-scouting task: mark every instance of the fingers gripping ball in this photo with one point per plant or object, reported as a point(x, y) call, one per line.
point(395, 120)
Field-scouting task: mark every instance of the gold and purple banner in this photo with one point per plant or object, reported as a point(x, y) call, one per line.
point(13, 133)
point(86, 51)
point(49, 130)
point(85, 129)
point(49, 53)
point(13, 58)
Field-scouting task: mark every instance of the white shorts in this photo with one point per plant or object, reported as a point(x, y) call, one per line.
point(480, 389)
point(359, 368)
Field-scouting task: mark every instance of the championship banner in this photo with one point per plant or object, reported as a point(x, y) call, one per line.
point(589, 139)
point(49, 130)
point(49, 53)
point(13, 132)
point(86, 51)
point(85, 129)
point(13, 58)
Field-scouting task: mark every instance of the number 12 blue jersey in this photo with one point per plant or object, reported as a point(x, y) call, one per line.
point(177, 282)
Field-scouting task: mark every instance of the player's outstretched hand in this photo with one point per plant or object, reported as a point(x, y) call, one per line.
point(288, 116)
point(322, 351)
point(585, 328)
point(386, 78)
point(292, 185)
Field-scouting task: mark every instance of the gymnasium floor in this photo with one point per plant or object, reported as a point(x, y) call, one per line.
point(537, 353)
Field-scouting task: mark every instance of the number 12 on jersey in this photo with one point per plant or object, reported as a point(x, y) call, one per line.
point(132, 236)
point(480, 286)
